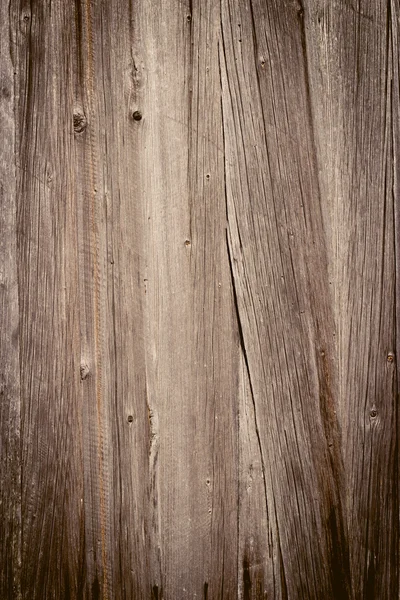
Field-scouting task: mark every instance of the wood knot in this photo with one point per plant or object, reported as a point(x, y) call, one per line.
point(80, 121)
point(137, 115)
point(390, 357)
point(5, 92)
point(84, 371)
point(373, 413)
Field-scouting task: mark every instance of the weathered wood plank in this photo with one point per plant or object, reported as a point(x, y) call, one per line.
point(54, 554)
point(190, 340)
point(353, 59)
point(119, 72)
point(96, 362)
point(279, 264)
point(10, 466)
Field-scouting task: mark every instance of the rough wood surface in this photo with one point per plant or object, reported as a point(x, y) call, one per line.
point(199, 294)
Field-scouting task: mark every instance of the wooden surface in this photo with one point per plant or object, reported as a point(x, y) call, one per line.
point(198, 299)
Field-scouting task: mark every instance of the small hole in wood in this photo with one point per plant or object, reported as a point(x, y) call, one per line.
point(373, 413)
point(187, 243)
point(188, 18)
point(390, 357)
point(130, 419)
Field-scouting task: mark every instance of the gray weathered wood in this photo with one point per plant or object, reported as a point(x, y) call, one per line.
point(199, 299)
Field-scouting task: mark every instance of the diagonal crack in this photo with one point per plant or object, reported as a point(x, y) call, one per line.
point(246, 360)
point(234, 288)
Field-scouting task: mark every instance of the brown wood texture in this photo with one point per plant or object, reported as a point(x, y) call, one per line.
point(199, 299)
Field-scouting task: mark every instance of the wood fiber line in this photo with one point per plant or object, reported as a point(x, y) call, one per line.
point(10, 464)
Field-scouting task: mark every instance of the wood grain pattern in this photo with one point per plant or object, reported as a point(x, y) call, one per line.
point(199, 298)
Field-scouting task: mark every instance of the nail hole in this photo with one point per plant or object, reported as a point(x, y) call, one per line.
point(130, 419)
point(188, 18)
point(187, 243)
point(137, 115)
point(373, 413)
point(208, 176)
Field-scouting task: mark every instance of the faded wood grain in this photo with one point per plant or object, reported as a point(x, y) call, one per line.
point(199, 299)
